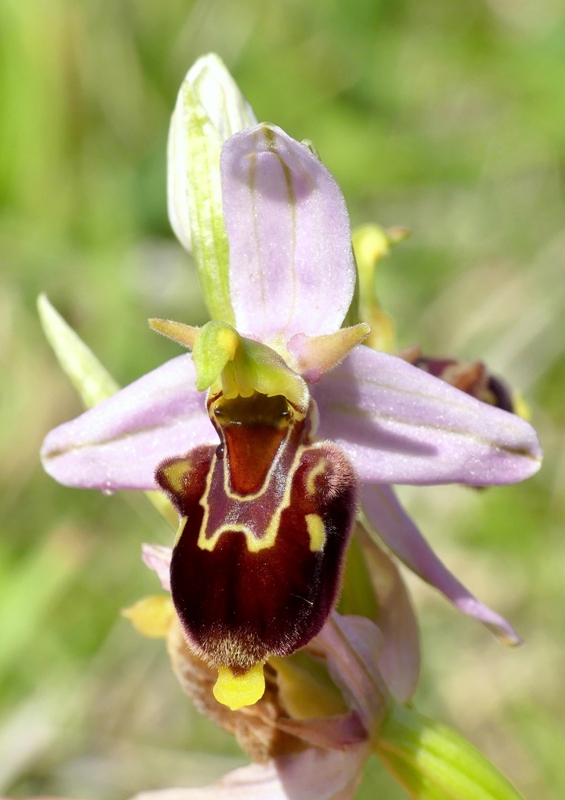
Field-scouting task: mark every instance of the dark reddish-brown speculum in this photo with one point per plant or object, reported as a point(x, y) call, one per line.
point(267, 515)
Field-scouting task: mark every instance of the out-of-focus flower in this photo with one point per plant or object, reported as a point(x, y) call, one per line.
point(470, 377)
point(264, 471)
point(371, 244)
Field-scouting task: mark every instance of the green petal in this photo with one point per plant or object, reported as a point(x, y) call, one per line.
point(357, 592)
point(204, 197)
point(209, 109)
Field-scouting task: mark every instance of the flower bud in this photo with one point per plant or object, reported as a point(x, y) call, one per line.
point(470, 377)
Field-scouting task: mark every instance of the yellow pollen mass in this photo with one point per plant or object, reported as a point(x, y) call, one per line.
point(316, 531)
point(228, 341)
point(236, 691)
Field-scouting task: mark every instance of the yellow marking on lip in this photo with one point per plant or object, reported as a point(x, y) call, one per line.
point(254, 542)
point(175, 473)
point(316, 532)
point(180, 529)
point(319, 469)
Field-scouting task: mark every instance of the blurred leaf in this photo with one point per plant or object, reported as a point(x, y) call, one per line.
point(28, 592)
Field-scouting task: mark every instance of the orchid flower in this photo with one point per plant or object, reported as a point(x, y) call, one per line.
point(310, 734)
point(327, 709)
point(280, 425)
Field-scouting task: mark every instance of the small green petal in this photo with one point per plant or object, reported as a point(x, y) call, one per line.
point(272, 376)
point(216, 345)
point(433, 762)
point(357, 593)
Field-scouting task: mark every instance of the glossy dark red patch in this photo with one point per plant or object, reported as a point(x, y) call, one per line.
point(251, 450)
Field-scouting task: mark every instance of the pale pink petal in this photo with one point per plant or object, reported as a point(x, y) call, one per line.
point(400, 425)
point(312, 356)
point(334, 733)
point(312, 774)
point(119, 443)
point(399, 659)
point(253, 782)
point(397, 530)
point(322, 774)
point(158, 559)
point(291, 262)
point(353, 646)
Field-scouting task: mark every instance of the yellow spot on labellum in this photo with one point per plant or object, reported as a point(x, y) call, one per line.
point(180, 529)
point(319, 469)
point(316, 531)
point(236, 691)
point(175, 473)
point(151, 616)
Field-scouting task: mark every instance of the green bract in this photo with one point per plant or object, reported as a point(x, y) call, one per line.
point(432, 762)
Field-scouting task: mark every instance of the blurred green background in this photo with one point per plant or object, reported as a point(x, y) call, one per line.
point(446, 117)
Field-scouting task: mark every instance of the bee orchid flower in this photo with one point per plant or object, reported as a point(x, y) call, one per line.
point(327, 709)
point(280, 424)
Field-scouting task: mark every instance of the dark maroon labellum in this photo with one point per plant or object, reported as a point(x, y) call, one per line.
point(257, 565)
